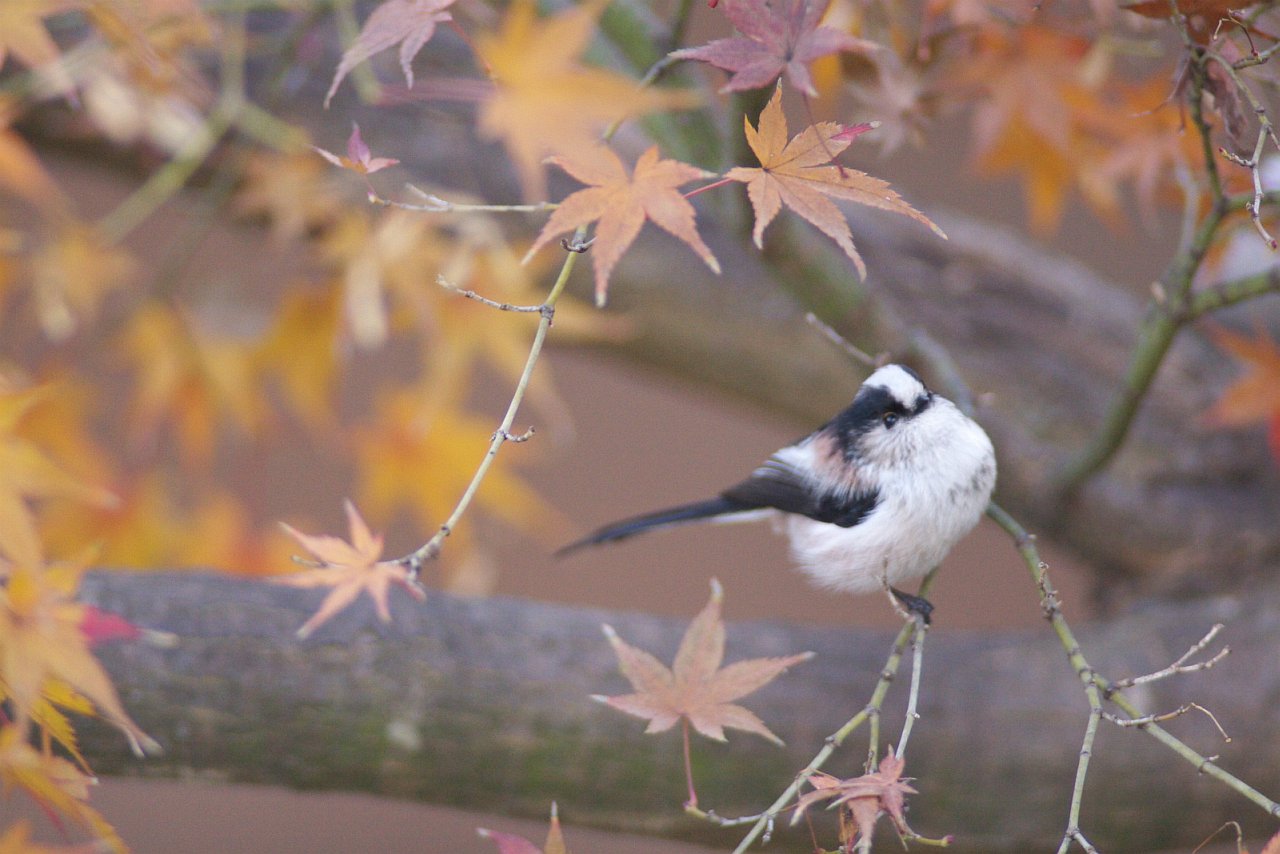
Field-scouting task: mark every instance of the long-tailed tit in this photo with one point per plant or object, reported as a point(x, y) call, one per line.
point(874, 498)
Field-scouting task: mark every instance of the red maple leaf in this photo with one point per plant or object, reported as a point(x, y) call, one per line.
point(775, 37)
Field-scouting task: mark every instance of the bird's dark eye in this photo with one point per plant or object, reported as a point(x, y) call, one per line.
point(889, 419)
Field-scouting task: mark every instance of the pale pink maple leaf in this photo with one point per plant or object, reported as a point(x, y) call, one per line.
point(775, 37)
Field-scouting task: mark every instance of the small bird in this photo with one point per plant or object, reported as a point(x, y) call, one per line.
point(873, 499)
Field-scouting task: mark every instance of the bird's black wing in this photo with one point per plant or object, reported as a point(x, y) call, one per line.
point(775, 485)
point(779, 485)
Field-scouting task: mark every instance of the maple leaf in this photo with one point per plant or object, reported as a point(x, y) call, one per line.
point(23, 34)
point(294, 191)
point(798, 173)
point(881, 792)
point(696, 688)
point(1255, 397)
point(421, 454)
point(622, 204)
point(777, 37)
point(464, 333)
point(509, 843)
point(191, 379)
point(359, 159)
point(301, 351)
point(72, 273)
point(41, 639)
point(56, 784)
point(26, 473)
point(408, 23)
point(545, 102)
point(350, 568)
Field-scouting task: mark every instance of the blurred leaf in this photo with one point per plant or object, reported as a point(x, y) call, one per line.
point(544, 101)
point(408, 23)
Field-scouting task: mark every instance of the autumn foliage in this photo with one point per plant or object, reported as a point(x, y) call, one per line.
point(127, 382)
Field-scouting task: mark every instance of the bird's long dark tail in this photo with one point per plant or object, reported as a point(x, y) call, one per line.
point(715, 508)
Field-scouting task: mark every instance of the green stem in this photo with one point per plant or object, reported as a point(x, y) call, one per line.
point(870, 711)
point(1097, 688)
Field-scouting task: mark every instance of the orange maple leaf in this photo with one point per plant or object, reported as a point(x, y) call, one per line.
point(1255, 397)
point(696, 687)
point(799, 174)
point(544, 101)
point(350, 568)
point(622, 203)
point(876, 793)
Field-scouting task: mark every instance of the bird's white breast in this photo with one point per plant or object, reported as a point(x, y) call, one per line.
point(931, 494)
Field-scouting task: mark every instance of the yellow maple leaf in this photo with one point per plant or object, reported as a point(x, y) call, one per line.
point(27, 473)
point(294, 190)
point(544, 101)
point(349, 568)
point(194, 381)
point(41, 640)
point(302, 351)
point(55, 784)
point(421, 455)
point(72, 273)
point(378, 257)
point(140, 528)
point(622, 203)
point(799, 174)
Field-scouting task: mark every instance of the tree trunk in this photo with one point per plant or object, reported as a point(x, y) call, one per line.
point(486, 703)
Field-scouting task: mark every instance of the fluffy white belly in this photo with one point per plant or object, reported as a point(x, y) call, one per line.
point(898, 542)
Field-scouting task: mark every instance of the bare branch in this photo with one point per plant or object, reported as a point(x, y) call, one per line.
point(1180, 666)
point(501, 306)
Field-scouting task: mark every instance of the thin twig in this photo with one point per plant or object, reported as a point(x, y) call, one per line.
point(1093, 681)
point(917, 665)
point(850, 350)
point(431, 548)
point(434, 204)
point(1180, 666)
point(838, 737)
point(501, 306)
point(1147, 720)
